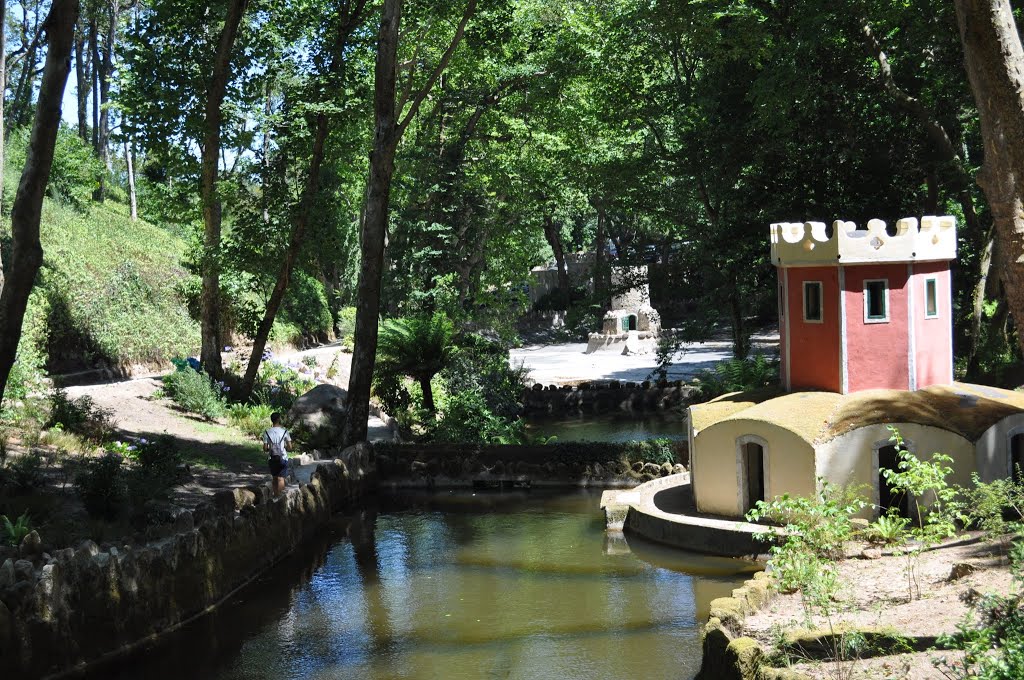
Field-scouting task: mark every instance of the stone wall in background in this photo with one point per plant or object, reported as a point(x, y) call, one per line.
point(597, 464)
point(607, 396)
point(62, 611)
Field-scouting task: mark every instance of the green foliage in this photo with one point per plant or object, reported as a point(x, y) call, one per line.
point(108, 290)
point(251, 419)
point(278, 385)
point(75, 170)
point(417, 347)
point(28, 373)
point(467, 418)
point(812, 535)
point(15, 532)
point(996, 507)
point(306, 306)
point(80, 416)
point(936, 509)
point(154, 471)
point(887, 530)
point(346, 325)
point(991, 636)
point(738, 375)
point(25, 473)
point(195, 392)
point(102, 486)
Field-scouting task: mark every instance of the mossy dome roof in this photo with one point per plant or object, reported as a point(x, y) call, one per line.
point(817, 417)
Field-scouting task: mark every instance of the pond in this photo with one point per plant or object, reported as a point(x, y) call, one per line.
point(457, 585)
point(609, 427)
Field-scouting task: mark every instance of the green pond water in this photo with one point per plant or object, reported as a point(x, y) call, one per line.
point(457, 585)
point(610, 427)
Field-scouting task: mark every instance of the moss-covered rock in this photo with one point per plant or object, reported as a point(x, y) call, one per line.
point(729, 611)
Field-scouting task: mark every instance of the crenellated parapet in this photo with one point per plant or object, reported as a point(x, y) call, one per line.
point(803, 244)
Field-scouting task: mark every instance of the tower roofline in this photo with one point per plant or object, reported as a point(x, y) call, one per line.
point(815, 244)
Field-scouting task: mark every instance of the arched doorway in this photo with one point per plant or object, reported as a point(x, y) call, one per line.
point(1016, 461)
point(889, 459)
point(632, 322)
point(752, 457)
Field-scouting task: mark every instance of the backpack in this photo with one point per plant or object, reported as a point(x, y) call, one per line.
point(277, 447)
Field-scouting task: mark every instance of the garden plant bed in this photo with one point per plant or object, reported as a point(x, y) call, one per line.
point(875, 599)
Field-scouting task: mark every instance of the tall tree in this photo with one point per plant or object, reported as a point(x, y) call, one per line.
point(210, 300)
point(26, 249)
point(350, 16)
point(389, 129)
point(994, 60)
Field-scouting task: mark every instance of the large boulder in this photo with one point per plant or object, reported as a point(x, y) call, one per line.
point(318, 415)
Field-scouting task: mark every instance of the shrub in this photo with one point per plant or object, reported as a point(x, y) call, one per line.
point(15, 532)
point(996, 507)
point(991, 636)
point(80, 416)
point(25, 473)
point(887, 530)
point(154, 471)
point(251, 419)
point(195, 392)
point(467, 418)
point(346, 326)
point(102, 486)
point(279, 385)
point(305, 305)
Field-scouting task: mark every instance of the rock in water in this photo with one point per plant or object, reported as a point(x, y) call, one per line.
point(318, 416)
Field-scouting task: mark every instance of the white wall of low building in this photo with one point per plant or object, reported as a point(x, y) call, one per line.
point(992, 451)
point(716, 470)
point(852, 459)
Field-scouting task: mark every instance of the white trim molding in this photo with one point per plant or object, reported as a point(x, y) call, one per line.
point(844, 369)
point(821, 302)
point(885, 301)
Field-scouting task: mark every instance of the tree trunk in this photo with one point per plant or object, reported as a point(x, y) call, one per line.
point(94, 73)
point(995, 67)
point(210, 300)
point(374, 225)
point(373, 231)
point(3, 88)
point(555, 241)
point(129, 160)
point(82, 79)
point(347, 24)
point(428, 395)
point(105, 68)
point(26, 250)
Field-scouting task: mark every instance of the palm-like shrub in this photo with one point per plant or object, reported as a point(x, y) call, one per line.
point(417, 347)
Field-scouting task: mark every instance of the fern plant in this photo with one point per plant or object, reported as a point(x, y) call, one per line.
point(15, 532)
point(417, 347)
point(738, 375)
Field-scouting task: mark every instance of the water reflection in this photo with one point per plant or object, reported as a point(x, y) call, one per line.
point(461, 586)
point(618, 426)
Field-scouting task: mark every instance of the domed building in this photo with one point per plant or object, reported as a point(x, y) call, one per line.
point(865, 324)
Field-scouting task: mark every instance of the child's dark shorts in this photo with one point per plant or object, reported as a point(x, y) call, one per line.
point(278, 466)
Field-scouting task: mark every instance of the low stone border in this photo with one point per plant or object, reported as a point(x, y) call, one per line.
point(60, 613)
point(607, 396)
point(727, 654)
point(698, 533)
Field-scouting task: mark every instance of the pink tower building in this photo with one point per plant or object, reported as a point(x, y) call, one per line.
point(867, 308)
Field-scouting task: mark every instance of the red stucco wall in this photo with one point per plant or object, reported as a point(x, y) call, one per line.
point(783, 316)
point(933, 337)
point(814, 347)
point(877, 353)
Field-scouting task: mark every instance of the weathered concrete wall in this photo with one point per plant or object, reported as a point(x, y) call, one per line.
point(62, 611)
point(605, 397)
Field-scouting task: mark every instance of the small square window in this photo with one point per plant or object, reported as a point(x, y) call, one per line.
point(812, 301)
point(876, 301)
point(931, 299)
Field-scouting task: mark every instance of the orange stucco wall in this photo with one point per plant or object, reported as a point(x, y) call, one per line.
point(933, 338)
point(877, 353)
point(813, 348)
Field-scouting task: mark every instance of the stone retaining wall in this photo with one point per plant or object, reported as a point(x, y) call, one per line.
point(60, 612)
point(727, 654)
point(569, 464)
point(607, 396)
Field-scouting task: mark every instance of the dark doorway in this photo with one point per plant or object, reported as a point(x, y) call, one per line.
point(753, 459)
point(889, 459)
point(1016, 457)
point(632, 322)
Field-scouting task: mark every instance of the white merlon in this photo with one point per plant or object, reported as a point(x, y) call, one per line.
point(805, 244)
